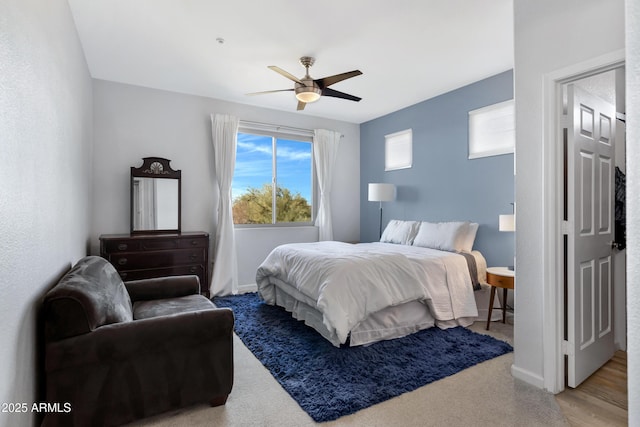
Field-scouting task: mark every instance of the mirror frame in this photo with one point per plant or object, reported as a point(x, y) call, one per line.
point(156, 167)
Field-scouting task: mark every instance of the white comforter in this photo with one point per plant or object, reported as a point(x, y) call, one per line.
point(347, 283)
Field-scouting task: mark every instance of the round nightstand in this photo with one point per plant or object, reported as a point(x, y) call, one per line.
point(499, 277)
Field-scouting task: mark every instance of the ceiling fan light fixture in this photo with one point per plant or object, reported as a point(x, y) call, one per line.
point(308, 94)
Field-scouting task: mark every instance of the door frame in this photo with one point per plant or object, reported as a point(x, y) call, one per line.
point(552, 257)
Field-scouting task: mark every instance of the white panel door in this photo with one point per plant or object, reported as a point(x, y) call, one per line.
point(590, 137)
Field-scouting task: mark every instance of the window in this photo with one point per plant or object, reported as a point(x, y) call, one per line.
point(273, 178)
point(398, 150)
point(492, 130)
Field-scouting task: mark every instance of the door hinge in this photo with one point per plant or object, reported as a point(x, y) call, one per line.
point(567, 348)
point(564, 121)
point(564, 227)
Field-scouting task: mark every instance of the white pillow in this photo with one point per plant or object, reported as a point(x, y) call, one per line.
point(469, 237)
point(400, 232)
point(446, 236)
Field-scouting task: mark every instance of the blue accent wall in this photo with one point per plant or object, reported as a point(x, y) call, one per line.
point(443, 184)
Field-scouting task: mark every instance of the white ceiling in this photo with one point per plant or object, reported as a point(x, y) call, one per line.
point(408, 50)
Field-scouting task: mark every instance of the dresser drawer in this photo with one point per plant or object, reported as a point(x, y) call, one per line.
point(194, 242)
point(124, 245)
point(156, 259)
point(150, 273)
point(159, 244)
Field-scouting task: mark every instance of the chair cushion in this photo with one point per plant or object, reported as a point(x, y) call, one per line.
point(168, 306)
point(90, 295)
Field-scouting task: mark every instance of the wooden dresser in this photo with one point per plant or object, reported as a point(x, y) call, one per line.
point(147, 256)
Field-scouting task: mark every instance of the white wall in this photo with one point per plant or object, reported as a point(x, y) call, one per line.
point(132, 122)
point(633, 207)
point(254, 244)
point(45, 178)
point(549, 35)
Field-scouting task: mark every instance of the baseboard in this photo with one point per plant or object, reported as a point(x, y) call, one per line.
point(527, 376)
point(251, 287)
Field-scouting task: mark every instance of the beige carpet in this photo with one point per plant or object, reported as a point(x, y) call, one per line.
point(483, 395)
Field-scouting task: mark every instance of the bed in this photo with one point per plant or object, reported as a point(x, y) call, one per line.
point(418, 276)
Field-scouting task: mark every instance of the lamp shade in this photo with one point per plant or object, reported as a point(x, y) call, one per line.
point(379, 192)
point(507, 223)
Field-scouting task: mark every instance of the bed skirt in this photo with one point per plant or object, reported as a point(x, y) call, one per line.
point(389, 323)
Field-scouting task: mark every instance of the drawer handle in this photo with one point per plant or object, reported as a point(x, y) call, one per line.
point(123, 275)
point(122, 261)
point(193, 257)
point(194, 242)
point(122, 247)
point(193, 269)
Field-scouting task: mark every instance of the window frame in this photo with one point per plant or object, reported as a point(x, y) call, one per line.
point(290, 134)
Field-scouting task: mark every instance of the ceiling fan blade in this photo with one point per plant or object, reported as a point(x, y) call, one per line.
point(301, 105)
point(269, 91)
point(328, 81)
point(285, 73)
point(337, 94)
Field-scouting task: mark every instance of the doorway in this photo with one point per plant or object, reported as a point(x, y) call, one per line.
point(555, 345)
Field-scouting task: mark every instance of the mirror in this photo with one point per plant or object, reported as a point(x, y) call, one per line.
point(155, 197)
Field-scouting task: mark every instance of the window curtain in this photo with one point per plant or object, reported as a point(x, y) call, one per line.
point(224, 280)
point(325, 153)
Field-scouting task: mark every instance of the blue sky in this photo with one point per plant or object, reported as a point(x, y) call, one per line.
point(254, 159)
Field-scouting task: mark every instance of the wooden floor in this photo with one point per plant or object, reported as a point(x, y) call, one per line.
point(602, 399)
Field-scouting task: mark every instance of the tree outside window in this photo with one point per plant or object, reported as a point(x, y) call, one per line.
point(272, 182)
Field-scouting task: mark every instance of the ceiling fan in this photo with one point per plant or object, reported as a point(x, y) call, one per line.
point(308, 89)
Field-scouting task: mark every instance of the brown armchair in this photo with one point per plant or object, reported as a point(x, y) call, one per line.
point(116, 352)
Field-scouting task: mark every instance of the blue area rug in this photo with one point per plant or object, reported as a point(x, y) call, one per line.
point(330, 382)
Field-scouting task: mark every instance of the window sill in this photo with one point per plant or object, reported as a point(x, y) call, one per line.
point(271, 226)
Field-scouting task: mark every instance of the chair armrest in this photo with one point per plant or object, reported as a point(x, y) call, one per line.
point(163, 287)
point(118, 342)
